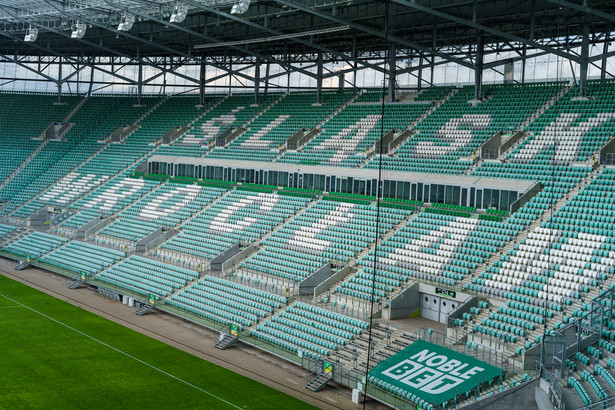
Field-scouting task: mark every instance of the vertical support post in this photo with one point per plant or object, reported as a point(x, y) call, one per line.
point(140, 78)
point(319, 78)
point(392, 73)
point(584, 58)
point(478, 68)
point(230, 76)
point(287, 68)
point(354, 57)
point(91, 77)
point(433, 47)
point(164, 75)
point(605, 50)
point(420, 74)
point(523, 61)
point(267, 67)
point(60, 82)
point(257, 79)
point(202, 72)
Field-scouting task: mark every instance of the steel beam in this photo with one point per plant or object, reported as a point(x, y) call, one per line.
point(374, 32)
point(485, 29)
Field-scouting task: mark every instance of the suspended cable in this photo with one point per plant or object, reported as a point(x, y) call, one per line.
point(379, 189)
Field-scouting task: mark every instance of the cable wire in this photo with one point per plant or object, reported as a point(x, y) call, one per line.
point(379, 188)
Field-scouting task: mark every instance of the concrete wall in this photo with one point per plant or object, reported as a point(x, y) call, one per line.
point(216, 263)
point(518, 397)
point(405, 303)
point(308, 285)
point(332, 279)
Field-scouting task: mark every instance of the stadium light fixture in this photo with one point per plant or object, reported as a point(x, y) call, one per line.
point(31, 35)
point(128, 20)
point(240, 7)
point(180, 11)
point(78, 30)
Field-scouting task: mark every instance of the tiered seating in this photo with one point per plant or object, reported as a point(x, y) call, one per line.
point(434, 247)
point(20, 126)
point(327, 231)
point(594, 384)
point(62, 193)
point(262, 141)
point(227, 302)
point(456, 129)
point(115, 195)
point(4, 229)
point(172, 203)
point(572, 130)
point(80, 256)
point(93, 121)
point(75, 221)
point(35, 244)
point(241, 216)
point(233, 112)
point(70, 187)
point(575, 384)
point(172, 112)
point(128, 229)
point(145, 276)
point(17, 155)
point(562, 259)
point(604, 373)
point(118, 156)
point(347, 136)
point(169, 206)
point(313, 330)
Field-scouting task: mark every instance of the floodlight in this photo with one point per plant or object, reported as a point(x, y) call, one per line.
point(180, 11)
point(240, 7)
point(31, 34)
point(127, 22)
point(78, 31)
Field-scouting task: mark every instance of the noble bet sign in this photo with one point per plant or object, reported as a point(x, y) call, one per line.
point(434, 373)
point(431, 372)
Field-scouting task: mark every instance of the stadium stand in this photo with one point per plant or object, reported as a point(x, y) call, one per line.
point(531, 271)
point(270, 130)
point(239, 217)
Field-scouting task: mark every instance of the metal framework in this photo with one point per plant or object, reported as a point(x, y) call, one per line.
point(300, 37)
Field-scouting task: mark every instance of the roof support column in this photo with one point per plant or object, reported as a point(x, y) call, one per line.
point(605, 50)
point(584, 59)
point(319, 78)
point(140, 78)
point(433, 56)
point(59, 80)
point(392, 73)
point(164, 75)
point(523, 60)
point(257, 79)
point(230, 77)
point(267, 67)
point(478, 68)
point(202, 72)
point(287, 60)
point(420, 79)
point(354, 58)
point(91, 77)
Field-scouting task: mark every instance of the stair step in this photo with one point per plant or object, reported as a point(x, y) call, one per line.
point(144, 309)
point(318, 382)
point(227, 341)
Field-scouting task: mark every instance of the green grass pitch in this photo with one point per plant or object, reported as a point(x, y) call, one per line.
point(58, 356)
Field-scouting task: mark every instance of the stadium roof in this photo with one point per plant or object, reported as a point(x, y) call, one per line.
point(342, 28)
